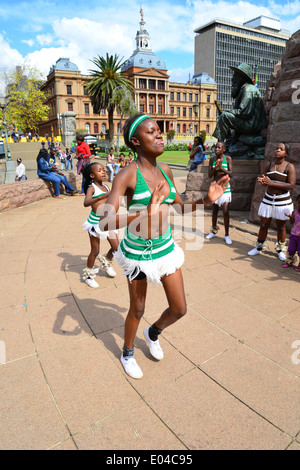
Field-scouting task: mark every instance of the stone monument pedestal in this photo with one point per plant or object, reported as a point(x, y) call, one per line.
point(68, 128)
point(243, 181)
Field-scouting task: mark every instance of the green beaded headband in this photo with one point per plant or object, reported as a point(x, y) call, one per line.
point(135, 124)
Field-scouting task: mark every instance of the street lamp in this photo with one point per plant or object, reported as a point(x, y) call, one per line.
point(195, 109)
point(10, 166)
point(3, 104)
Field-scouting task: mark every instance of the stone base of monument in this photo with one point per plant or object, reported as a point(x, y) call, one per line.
point(245, 173)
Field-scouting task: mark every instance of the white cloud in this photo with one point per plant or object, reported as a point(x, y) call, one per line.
point(112, 27)
point(29, 42)
point(9, 57)
point(181, 75)
point(44, 39)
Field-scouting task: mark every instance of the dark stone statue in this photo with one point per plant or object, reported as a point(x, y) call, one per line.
point(242, 127)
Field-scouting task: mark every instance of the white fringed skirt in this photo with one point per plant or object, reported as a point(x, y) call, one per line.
point(275, 205)
point(226, 197)
point(155, 258)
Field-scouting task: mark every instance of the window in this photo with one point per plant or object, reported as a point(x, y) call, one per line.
point(178, 128)
point(142, 108)
point(207, 129)
point(85, 91)
point(183, 96)
point(87, 126)
point(208, 98)
point(69, 89)
point(190, 96)
point(151, 109)
point(151, 84)
point(159, 109)
point(184, 112)
point(178, 96)
point(102, 111)
point(161, 85)
point(172, 109)
point(196, 97)
point(190, 112)
point(207, 112)
point(142, 82)
point(172, 95)
point(184, 129)
point(70, 106)
point(96, 128)
point(103, 128)
point(86, 108)
point(178, 112)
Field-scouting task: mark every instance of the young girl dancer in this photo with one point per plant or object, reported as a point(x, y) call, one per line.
point(219, 166)
point(279, 177)
point(148, 251)
point(96, 194)
point(294, 243)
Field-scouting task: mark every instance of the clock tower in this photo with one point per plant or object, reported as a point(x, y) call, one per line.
point(142, 36)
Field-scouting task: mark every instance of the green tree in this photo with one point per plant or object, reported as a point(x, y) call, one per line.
point(122, 98)
point(102, 83)
point(171, 134)
point(25, 109)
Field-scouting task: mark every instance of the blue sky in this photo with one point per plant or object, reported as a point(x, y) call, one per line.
point(39, 32)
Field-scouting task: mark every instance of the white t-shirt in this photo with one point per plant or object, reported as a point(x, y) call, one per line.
point(20, 170)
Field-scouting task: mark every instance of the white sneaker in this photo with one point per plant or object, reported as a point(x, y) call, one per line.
point(91, 282)
point(131, 367)
point(106, 265)
point(211, 235)
point(154, 346)
point(254, 252)
point(281, 256)
point(228, 240)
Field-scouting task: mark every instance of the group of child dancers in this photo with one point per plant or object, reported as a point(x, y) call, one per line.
point(147, 251)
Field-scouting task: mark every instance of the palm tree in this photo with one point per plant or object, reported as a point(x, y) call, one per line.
point(102, 83)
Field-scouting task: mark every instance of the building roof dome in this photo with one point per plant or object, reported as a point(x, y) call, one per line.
point(203, 78)
point(64, 64)
point(144, 59)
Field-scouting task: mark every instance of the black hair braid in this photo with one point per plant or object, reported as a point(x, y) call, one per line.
point(86, 173)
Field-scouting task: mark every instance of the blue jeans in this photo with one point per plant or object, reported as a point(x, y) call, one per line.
point(113, 168)
point(56, 179)
point(194, 165)
point(69, 162)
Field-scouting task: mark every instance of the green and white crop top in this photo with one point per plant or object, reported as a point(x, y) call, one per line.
point(98, 192)
point(224, 165)
point(142, 194)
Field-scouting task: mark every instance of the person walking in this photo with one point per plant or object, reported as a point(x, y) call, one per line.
point(83, 155)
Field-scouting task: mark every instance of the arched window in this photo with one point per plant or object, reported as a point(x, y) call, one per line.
point(207, 129)
point(103, 129)
point(178, 128)
point(96, 128)
point(87, 126)
point(184, 128)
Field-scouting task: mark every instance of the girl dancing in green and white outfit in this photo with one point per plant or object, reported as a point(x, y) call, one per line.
point(96, 194)
point(148, 251)
point(219, 166)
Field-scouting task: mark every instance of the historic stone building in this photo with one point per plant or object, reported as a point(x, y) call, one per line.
point(187, 108)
